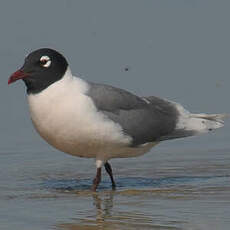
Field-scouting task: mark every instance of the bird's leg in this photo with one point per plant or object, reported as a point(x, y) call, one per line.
point(96, 180)
point(108, 169)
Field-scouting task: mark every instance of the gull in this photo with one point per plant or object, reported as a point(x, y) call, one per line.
point(99, 121)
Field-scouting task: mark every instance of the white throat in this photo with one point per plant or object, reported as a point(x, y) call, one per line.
point(67, 118)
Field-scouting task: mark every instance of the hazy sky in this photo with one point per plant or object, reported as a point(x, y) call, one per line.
point(174, 49)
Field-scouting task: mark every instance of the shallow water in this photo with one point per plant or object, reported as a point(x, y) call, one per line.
point(177, 50)
point(183, 184)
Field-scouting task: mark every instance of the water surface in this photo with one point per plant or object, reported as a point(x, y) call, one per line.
point(170, 188)
point(177, 50)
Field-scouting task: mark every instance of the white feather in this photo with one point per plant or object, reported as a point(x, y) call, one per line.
point(66, 118)
point(199, 123)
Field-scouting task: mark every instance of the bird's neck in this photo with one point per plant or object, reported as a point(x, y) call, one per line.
point(37, 84)
point(67, 88)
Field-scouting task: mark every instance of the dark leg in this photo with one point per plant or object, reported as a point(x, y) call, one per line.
point(110, 172)
point(96, 180)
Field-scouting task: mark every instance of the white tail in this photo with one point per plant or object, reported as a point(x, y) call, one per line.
point(199, 123)
point(190, 124)
point(206, 122)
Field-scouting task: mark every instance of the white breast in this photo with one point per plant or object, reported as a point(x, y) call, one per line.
point(67, 119)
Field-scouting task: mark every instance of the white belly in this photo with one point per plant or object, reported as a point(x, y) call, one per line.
point(67, 119)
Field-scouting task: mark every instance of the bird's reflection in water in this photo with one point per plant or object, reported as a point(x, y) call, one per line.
point(103, 205)
point(105, 217)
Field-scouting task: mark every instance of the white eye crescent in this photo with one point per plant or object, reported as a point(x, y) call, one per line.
point(45, 61)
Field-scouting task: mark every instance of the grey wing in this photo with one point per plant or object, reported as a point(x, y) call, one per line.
point(145, 119)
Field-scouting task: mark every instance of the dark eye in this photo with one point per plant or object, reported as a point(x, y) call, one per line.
point(45, 61)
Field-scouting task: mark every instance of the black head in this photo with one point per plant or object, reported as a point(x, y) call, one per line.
point(42, 68)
